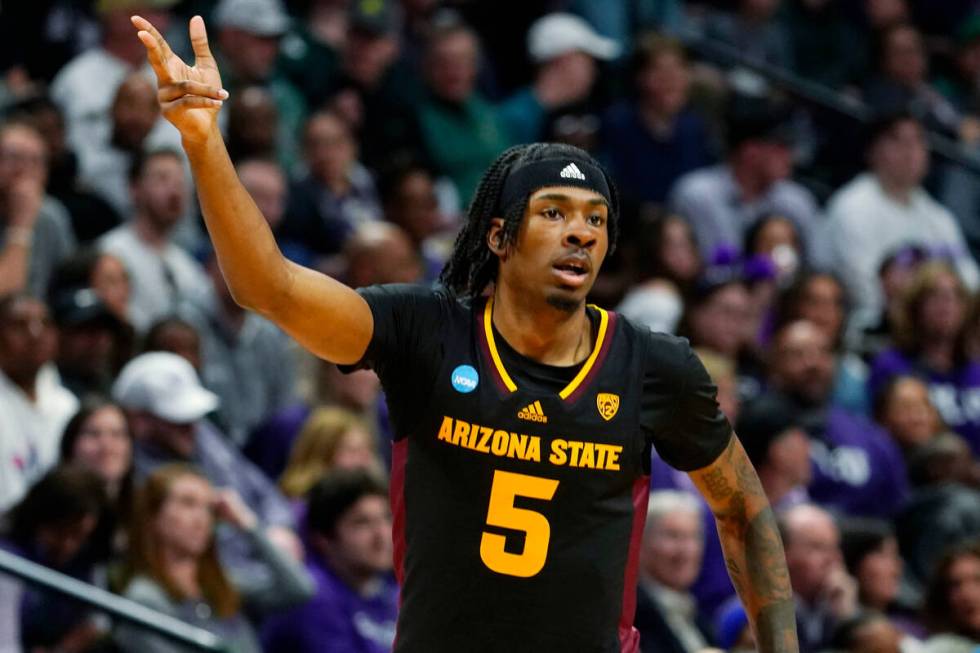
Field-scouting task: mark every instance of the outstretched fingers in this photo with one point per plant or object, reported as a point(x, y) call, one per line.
point(157, 49)
point(199, 42)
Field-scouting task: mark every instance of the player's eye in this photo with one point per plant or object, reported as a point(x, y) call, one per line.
point(596, 220)
point(551, 213)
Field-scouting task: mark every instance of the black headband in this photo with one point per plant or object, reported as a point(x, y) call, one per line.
point(526, 179)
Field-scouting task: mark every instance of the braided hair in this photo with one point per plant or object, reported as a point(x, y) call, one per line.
point(472, 265)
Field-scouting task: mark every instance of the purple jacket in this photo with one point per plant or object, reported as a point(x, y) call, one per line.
point(955, 394)
point(336, 618)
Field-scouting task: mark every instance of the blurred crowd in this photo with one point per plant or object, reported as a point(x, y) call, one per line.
point(159, 441)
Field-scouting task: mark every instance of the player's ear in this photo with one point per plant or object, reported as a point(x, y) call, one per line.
point(495, 237)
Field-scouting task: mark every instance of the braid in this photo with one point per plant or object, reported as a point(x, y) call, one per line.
point(472, 266)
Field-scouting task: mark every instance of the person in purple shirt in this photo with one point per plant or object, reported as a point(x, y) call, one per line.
point(857, 468)
point(930, 344)
point(350, 558)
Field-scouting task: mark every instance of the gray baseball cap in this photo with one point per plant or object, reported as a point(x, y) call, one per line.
point(259, 17)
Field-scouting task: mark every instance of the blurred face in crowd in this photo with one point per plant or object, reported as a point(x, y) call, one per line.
point(878, 575)
point(185, 521)
point(822, 304)
point(180, 339)
point(117, 30)
point(720, 322)
point(451, 65)
point(812, 550)
point(23, 156)
point(673, 548)
point(678, 252)
point(802, 363)
point(360, 545)
point(253, 122)
point(767, 161)
point(86, 350)
point(663, 83)
point(789, 457)
point(886, 12)
point(266, 183)
point(60, 542)
point(51, 125)
point(160, 192)
point(251, 56)
point(110, 281)
point(355, 451)
point(900, 157)
point(964, 592)
point(877, 636)
point(175, 439)
point(942, 309)
point(908, 413)
point(903, 58)
point(134, 112)
point(415, 207)
point(358, 391)
point(895, 278)
point(382, 254)
point(28, 339)
point(104, 445)
point(367, 56)
point(329, 147)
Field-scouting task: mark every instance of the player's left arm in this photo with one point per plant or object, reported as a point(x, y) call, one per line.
point(752, 546)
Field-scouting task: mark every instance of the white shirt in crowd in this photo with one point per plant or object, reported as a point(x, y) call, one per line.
point(30, 432)
point(864, 225)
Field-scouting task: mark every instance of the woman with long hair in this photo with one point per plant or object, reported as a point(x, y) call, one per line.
point(173, 563)
point(930, 343)
point(952, 602)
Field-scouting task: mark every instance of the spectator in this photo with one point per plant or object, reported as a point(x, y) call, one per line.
point(350, 558)
point(722, 202)
point(902, 81)
point(857, 468)
point(825, 593)
point(670, 559)
point(667, 266)
point(460, 131)
point(819, 298)
point(904, 409)
point(104, 273)
point(336, 195)
point(91, 342)
point(566, 51)
point(245, 359)
point(36, 232)
point(85, 87)
point(654, 139)
point(249, 41)
point(174, 568)
point(773, 240)
point(929, 343)
point(133, 113)
point(885, 208)
point(771, 432)
point(381, 253)
point(331, 439)
point(253, 124)
point(161, 273)
point(867, 631)
point(166, 405)
point(34, 406)
point(177, 336)
point(53, 526)
point(952, 604)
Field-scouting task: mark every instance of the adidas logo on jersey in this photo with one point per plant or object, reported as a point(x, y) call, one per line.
point(533, 413)
point(571, 171)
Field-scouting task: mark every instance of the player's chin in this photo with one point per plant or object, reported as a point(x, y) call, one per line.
point(567, 300)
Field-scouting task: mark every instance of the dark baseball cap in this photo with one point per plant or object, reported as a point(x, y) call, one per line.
point(762, 121)
point(372, 17)
point(762, 422)
point(81, 306)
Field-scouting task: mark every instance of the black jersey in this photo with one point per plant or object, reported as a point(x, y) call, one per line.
point(518, 489)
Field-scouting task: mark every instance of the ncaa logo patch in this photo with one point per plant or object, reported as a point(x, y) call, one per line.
point(465, 379)
point(608, 405)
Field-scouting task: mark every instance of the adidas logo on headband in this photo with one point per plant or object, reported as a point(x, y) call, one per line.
point(571, 171)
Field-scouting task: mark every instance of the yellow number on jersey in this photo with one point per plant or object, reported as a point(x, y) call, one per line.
point(502, 513)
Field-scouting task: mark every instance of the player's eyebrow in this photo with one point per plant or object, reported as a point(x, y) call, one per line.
point(560, 197)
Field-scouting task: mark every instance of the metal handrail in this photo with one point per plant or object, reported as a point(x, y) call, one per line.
point(818, 94)
point(118, 607)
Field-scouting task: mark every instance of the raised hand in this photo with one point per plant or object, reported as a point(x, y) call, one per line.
point(189, 96)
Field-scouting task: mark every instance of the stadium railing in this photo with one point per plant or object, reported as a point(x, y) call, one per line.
point(117, 607)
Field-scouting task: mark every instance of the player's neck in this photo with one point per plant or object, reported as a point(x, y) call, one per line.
point(540, 331)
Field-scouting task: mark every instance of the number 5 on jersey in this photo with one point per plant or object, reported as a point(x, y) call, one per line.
point(502, 513)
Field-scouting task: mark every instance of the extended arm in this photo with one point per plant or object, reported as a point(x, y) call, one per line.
point(324, 315)
point(752, 546)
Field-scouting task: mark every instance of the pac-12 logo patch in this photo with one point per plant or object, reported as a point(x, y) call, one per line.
point(608, 405)
point(465, 379)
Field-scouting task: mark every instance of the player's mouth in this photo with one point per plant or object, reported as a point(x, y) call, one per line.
point(572, 270)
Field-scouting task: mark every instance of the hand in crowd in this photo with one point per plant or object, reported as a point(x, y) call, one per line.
point(24, 200)
point(229, 507)
point(189, 96)
point(841, 593)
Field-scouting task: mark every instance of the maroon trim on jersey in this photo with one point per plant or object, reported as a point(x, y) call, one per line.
point(629, 637)
point(600, 359)
point(399, 454)
point(481, 339)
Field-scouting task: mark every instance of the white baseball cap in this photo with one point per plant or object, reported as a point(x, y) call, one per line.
point(164, 385)
point(259, 17)
point(557, 34)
